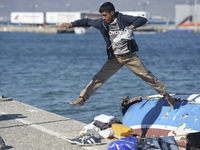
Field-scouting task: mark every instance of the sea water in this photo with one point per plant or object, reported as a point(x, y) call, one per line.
point(50, 70)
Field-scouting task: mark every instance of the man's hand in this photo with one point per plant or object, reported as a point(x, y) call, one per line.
point(65, 25)
point(132, 27)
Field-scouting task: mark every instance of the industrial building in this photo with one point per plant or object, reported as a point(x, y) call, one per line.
point(60, 17)
point(49, 17)
point(187, 15)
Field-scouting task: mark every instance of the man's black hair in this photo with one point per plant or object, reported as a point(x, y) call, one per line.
point(107, 7)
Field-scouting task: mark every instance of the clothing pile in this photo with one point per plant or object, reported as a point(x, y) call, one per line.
point(99, 129)
point(102, 126)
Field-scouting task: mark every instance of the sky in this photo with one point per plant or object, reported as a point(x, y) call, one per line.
point(165, 8)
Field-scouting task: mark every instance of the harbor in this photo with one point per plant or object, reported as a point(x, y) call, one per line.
point(44, 68)
point(186, 19)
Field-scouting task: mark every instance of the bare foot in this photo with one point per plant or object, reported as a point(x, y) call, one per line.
point(170, 100)
point(79, 101)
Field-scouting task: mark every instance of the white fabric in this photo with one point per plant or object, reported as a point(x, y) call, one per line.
point(104, 118)
point(127, 34)
point(90, 126)
point(107, 133)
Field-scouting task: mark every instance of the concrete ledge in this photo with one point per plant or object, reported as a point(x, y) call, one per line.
point(26, 127)
point(54, 31)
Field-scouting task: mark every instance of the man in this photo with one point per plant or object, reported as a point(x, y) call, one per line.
point(120, 52)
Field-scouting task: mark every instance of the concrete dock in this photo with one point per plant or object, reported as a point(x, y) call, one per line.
point(24, 127)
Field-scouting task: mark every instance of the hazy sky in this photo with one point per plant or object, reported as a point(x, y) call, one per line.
point(156, 7)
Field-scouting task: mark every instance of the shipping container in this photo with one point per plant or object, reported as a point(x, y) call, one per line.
point(62, 17)
point(27, 17)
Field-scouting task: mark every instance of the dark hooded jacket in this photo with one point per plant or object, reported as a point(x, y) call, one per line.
point(123, 21)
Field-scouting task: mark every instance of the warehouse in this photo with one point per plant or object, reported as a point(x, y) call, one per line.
point(187, 15)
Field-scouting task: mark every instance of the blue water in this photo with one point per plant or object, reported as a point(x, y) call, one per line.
point(49, 70)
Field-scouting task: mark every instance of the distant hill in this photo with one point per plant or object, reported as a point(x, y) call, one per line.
point(164, 8)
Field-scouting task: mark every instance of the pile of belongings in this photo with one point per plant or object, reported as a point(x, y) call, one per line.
point(100, 128)
point(127, 102)
point(134, 143)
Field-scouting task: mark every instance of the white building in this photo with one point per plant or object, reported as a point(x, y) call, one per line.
point(137, 13)
point(187, 14)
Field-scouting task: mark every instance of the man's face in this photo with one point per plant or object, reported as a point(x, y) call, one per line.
point(108, 17)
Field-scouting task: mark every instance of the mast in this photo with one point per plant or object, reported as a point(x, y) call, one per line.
point(195, 15)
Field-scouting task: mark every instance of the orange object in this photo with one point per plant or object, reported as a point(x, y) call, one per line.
point(121, 130)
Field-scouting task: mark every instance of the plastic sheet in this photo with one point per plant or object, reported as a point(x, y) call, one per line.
point(129, 143)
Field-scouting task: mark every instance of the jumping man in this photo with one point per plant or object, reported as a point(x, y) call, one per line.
point(120, 53)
